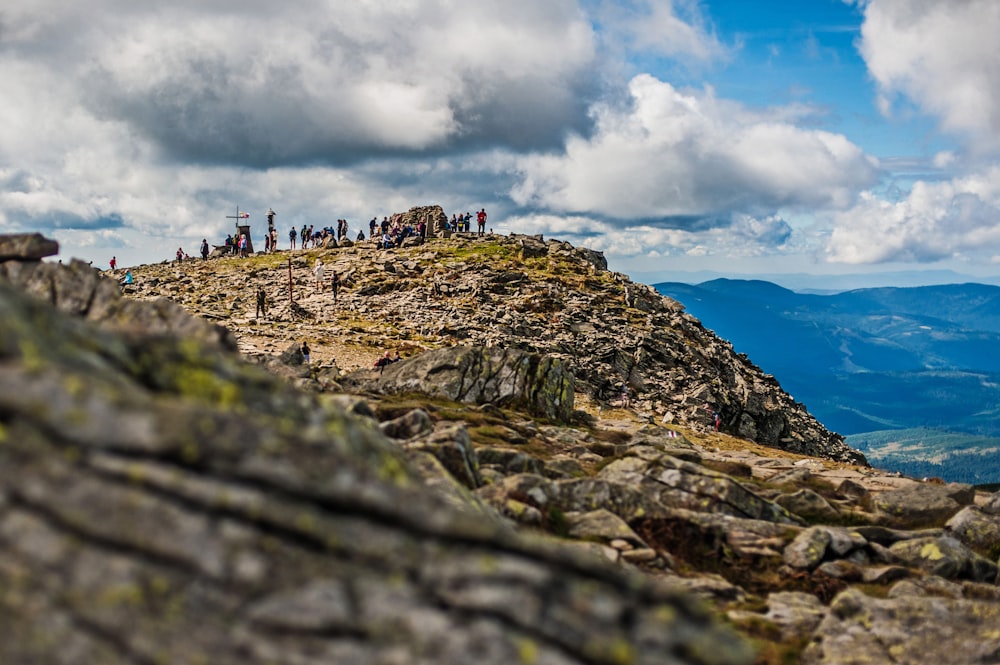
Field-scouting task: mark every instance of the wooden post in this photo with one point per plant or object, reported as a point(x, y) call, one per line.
point(291, 298)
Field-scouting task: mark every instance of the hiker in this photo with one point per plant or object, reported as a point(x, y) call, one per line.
point(335, 284)
point(383, 361)
point(114, 263)
point(261, 303)
point(318, 272)
point(180, 255)
point(204, 249)
point(305, 352)
point(291, 237)
point(480, 221)
point(626, 400)
point(128, 279)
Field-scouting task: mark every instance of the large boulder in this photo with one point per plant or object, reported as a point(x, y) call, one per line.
point(921, 504)
point(162, 500)
point(26, 247)
point(976, 528)
point(478, 375)
point(905, 629)
point(945, 557)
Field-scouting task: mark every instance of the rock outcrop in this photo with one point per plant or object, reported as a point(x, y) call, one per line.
point(545, 297)
point(476, 375)
point(164, 499)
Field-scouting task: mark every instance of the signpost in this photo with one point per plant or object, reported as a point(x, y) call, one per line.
point(242, 229)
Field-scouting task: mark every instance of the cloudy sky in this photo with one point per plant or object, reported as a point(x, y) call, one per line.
point(776, 136)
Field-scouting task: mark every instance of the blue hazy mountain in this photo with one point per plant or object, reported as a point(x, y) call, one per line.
point(869, 359)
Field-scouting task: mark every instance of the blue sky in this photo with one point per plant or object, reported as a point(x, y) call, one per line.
point(680, 137)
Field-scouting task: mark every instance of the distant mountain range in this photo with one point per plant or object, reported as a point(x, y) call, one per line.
point(874, 359)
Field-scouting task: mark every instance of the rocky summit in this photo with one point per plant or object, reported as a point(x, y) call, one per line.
point(541, 477)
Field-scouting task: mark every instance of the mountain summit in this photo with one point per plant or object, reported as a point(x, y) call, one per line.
point(166, 498)
point(520, 292)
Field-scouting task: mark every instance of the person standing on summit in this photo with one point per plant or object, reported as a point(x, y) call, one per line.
point(481, 221)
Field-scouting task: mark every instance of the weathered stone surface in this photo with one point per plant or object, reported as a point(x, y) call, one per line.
point(992, 504)
point(920, 505)
point(164, 501)
point(449, 443)
point(601, 526)
point(807, 504)
point(796, 613)
point(477, 375)
point(945, 557)
point(808, 549)
point(976, 528)
point(679, 484)
point(409, 425)
point(26, 247)
point(861, 629)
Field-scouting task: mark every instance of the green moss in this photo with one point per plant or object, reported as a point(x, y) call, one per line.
point(205, 385)
point(31, 354)
point(527, 651)
point(616, 652)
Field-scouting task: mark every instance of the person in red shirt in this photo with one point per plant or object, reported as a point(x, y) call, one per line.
point(481, 221)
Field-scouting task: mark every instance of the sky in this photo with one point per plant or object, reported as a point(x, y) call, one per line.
point(708, 137)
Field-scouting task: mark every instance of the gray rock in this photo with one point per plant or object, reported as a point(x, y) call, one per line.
point(808, 549)
point(26, 247)
point(165, 501)
point(477, 375)
point(976, 528)
point(807, 504)
point(510, 461)
point(945, 557)
point(796, 613)
point(410, 424)
point(449, 444)
point(916, 506)
point(602, 526)
point(908, 629)
point(679, 484)
point(992, 504)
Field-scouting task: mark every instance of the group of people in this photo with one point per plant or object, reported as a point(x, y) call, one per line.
point(391, 233)
point(238, 246)
point(388, 233)
point(460, 223)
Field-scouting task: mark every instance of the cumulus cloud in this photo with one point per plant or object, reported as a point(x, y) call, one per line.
point(662, 27)
point(684, 158)
point(336, 82)
point(940, 220)
point(743, 236)
point(940, 55)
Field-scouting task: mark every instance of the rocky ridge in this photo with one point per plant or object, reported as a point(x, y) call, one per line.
point(399, 516)
point(520, 292)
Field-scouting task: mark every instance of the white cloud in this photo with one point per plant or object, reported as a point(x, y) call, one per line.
point(674, 154)
point(745, 236)
point(664, 27)
point(942, 220)
point(941, 55)
point(322, 80)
